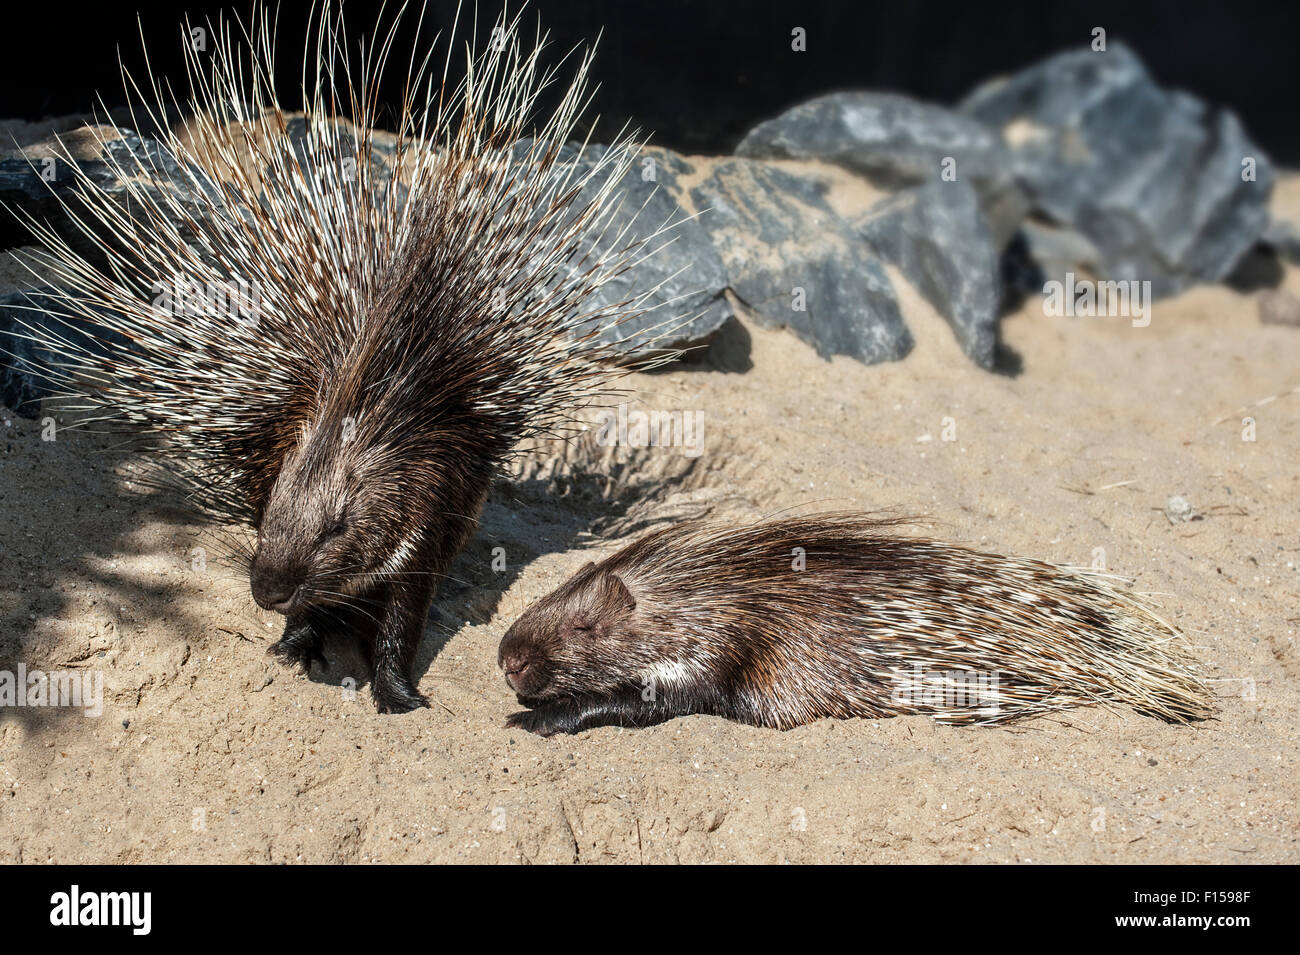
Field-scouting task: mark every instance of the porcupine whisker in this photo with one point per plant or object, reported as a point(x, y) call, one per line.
point(835, 641)
point(383, 574)
point(371, 307)
point(347, 601)
point(408, 573)
point(331, 612)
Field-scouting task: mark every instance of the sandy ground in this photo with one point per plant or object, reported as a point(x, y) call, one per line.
point(207, 751)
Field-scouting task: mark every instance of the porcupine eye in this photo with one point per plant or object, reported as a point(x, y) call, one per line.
point(337, 529)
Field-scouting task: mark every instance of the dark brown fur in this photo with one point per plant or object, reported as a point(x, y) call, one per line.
point(417, 305)
point(867, 623)
point(388, 478)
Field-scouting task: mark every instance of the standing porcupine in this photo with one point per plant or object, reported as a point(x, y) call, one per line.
point(406, 331)
point(790, 621)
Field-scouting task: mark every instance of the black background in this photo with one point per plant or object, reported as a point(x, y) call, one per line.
point(697, 75)
point(921, 907)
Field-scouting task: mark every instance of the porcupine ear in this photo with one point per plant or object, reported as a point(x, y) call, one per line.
point(614, 594)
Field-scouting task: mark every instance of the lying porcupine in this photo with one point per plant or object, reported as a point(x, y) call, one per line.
point(794, 620)
point(406, 331)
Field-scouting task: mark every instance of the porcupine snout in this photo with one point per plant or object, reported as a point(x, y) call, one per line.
point(521, 663)
point(516, 668)
point(305, 520)
point(274, 584)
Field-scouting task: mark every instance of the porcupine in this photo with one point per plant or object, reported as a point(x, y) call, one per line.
point(406, 332)
point(793, 620)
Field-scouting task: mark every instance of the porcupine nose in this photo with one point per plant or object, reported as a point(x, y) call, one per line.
point(515, 666)
point(273, 590)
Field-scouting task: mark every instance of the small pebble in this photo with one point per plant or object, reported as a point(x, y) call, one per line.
point(1179, 510)
point(1279, 307)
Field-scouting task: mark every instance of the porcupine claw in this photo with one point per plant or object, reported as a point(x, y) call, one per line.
point(401, 704)
point(299, 646)
point(470, 345)
point(575, 715)
point(396, 696)
point(533, 721)
point(301, 657)
point(548, 719)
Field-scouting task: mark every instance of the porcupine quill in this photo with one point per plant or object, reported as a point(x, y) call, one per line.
point(406, 331)
point(793, 620)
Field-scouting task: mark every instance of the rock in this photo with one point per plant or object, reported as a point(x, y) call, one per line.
point(1152, 178)
point(18, 135)
point(22, 385)
point(28, 312)
point(687, 276)
point(1284, 236)
point(687, 305)
point(1041, 253)
point(1179, 510)
point(896, 142)
point(38, 183)
point(1258, 269)
point(797, 264)
point(936, 235)
point(1058, 250)
point(1279, 307)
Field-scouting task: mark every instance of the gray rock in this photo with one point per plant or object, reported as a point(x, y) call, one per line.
point(896, 142)
point(1152, 178)
point(1284, 236)
point(1058, 250)
point(937, 237)
point(17, 135)
point(799, 265)
point(41, 311)
point(22, 384)
point(40, 183)
point(688, 276)
point(688, 304)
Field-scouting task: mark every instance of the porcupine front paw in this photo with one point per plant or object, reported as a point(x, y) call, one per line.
point(577, 715)
point(395, 694)
point(299, 646)
point(545, 720)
